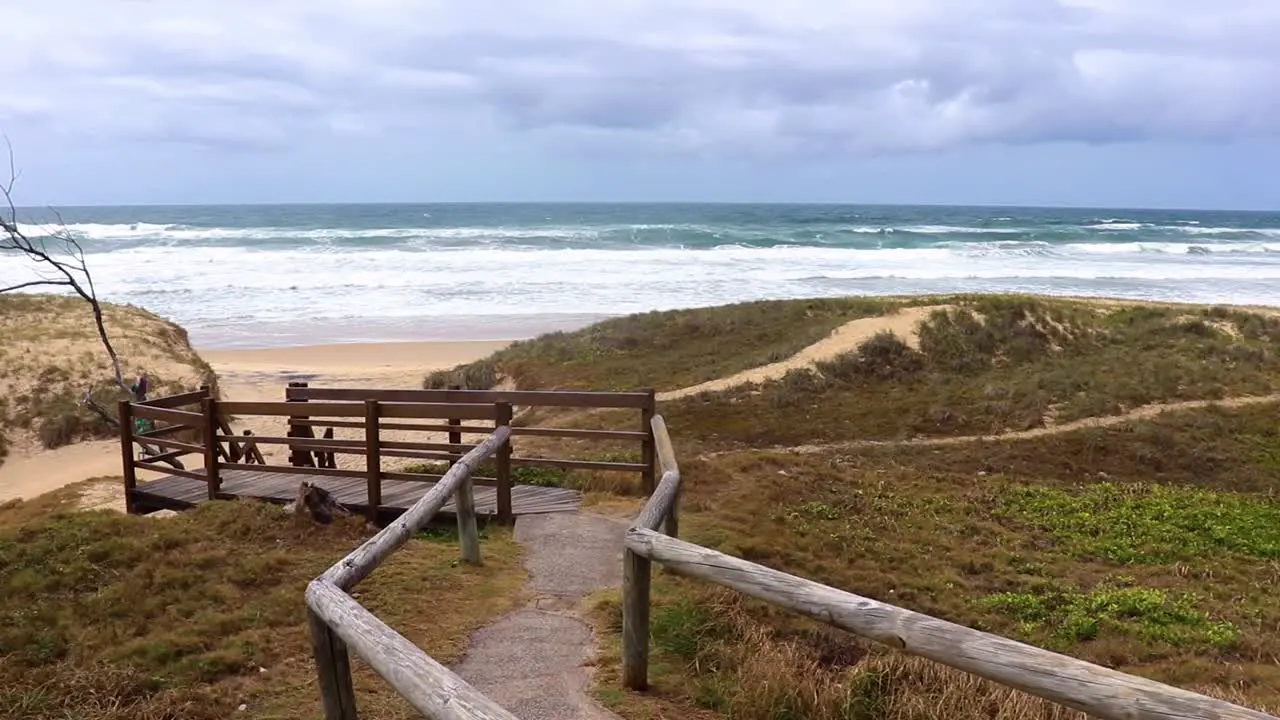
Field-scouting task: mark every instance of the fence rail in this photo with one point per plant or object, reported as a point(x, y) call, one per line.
point(339, 623)
point(1071, 682)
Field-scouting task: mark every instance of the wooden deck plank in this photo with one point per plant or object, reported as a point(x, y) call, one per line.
point(397, 495)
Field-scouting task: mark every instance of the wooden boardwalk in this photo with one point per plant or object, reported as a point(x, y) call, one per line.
point(180, 493)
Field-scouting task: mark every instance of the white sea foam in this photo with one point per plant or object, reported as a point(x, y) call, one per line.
point(220, 290)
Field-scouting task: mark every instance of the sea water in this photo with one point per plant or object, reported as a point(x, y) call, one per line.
point(262, 275)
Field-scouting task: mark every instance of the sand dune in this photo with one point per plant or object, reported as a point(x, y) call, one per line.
point(843, 339)
point(250, 375)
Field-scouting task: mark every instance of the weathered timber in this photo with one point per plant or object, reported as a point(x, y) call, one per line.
point(579, 434)
point(524, 398)
point(185, 447)
point(316, 503)
point(292, 470)
point(431, 688)
point(124, 413)
point(250, 452)
point(372, 457)
point(176, 401)
point(1074, 683)
point(502, 463)
point(299, 426)
point(176, 417)
point(165, 431)
point(579, 464)
point(667, 459)
point(209, 409)
point(361, 561)
point(464, 507)
point(636, 577)
point(325, 458)
point(655, 512)
point(648, 474)
point(153, 467)
point(409, 427)
point(420, 411)
point(333, 666)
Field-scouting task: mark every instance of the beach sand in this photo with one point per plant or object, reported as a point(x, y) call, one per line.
point(249, 375)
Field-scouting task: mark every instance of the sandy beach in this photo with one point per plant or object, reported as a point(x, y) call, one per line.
point(250, 375)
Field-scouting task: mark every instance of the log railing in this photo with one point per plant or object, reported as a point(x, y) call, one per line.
point(339, 624)
point(1074, 683)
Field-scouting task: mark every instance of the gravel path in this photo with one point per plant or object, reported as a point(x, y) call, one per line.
point(532, 661)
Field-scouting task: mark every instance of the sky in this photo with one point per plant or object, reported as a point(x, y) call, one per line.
point(1103, 103)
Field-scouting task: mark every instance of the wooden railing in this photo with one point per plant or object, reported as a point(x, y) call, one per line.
point(642, 401)
point(338, 623)
point(220, 450)
point(1077, 684)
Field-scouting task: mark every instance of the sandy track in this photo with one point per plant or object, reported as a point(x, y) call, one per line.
point(843, 339)
point(533, 661)
point(1145, 412)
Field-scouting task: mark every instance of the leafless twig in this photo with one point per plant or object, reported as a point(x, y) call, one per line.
point(64, 266)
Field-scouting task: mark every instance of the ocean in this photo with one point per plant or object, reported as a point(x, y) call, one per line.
point(263, 275)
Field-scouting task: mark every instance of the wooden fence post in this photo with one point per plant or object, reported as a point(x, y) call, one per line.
point(502, 463)
point(636, 571)
point(333, 666)
point(648, 457)
point(125, 413)
point(464, 504)
point(209, 406)
point(455, 436)
point(299, 458)
point(373, 457)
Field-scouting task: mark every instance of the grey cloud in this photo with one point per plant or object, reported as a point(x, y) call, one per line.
point(701, 76)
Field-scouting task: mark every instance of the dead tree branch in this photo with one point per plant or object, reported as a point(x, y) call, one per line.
point(58, 261)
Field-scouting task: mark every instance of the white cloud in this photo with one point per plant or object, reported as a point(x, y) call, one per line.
point(700, 75)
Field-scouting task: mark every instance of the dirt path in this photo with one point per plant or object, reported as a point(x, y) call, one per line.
point(843, 339)
point(532, 661)
point(1142, 413)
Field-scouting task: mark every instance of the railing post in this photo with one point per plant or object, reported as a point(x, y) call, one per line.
point(125, 414)
point(333, 666)
point(373, 457)
point(671, 527)
point(464, 504)
point(455, 436)
point(299, 458)
point(647, 455)
point(209, 407)
point(636, 571)
point(502, 463)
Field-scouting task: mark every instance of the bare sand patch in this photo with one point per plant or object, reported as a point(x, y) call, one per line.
point(846, 338)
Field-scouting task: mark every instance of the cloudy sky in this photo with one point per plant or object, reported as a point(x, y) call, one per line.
point(1062, 102)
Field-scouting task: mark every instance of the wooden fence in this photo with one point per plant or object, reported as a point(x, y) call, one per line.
point(641, 401)
point(196, 424)
point(1077, 684)
point(338, 623)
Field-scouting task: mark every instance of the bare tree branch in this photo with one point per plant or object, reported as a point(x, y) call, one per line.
point(65, 267)
point(68, 268)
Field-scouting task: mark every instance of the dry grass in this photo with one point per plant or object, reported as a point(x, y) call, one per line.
point(51, 354)
point(1076, 542)
point(996, 365)
point(1149, 545)
point(110, 616)
point(665, 350)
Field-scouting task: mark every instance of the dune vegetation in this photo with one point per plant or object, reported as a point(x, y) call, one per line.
point(1094, 478)
point(51, 355)
point(115, 617)
point(1110, 522)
